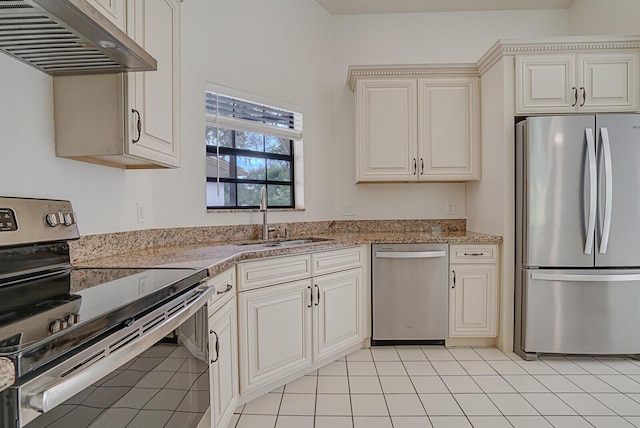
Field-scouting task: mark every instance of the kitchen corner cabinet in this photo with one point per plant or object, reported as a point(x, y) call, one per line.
point(223, 349)
point(129, 120)
point(417, 130)
point(569, 83)
point(287, 324)
point(473, 290)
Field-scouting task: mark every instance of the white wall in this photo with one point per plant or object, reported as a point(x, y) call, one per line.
point(280, 49)
point(611, 17)
point(104, 198)
point(406, 39)
point(288, 50)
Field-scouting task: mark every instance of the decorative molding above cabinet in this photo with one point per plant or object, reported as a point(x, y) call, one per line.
point(417, 123)
point(131, 120)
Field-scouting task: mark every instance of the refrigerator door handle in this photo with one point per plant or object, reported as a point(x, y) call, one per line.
point(608, 190)
point(584, 277)
point(591, 221)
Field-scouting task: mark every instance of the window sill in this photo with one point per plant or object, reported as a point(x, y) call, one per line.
point(255, 210)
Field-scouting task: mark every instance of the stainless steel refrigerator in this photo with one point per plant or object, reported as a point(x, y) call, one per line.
point(577, 273)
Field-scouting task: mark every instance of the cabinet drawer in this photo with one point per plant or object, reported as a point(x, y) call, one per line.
point(224, 289)
point(473, 254)
point(336, 260)
point(273, 271)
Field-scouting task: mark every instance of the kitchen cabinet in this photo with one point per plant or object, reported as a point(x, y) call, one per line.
point(337, 312)
point(287, 324)
point(127, 120)
point(569, 83)
point(417, 129)
point(473, 291)
point(114, 10)
point(223, 349)
point(275, 327)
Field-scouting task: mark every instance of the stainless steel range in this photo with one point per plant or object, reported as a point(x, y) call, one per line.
point(62, 329)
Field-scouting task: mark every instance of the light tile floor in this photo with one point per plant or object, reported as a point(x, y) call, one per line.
point(434, 387)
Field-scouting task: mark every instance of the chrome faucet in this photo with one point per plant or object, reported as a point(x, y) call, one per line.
point(263, 208)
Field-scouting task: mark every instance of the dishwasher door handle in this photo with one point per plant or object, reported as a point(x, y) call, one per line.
point(410, 254)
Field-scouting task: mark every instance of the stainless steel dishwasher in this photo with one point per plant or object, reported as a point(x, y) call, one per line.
point(410, 293)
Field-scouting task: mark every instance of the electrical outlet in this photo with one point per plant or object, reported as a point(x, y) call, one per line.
point(347, 209)
point(451, 208)
point(142, 212)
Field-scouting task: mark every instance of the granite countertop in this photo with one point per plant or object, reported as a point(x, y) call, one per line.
point(219, 256)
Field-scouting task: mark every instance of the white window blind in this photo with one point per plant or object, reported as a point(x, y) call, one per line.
point(242, 115)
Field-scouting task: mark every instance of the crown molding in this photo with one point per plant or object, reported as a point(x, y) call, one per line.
point(409, 70)
point(501, 48)
point(575, 44)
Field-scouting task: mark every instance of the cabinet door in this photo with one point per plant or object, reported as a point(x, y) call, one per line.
point(546, 84)
point(473, 301)
point(223, 364)
point(113, 10)
point(448, 129)
point(275, 327)
point(154, 95)
point(386, 131)
point(337, 315)
point(608, 82)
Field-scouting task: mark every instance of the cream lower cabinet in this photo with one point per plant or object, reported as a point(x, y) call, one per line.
point(417, 129)
point(130, 120)
point(568, 83)
point(285, 327)
point(223, 349)
point(473, 291)
point(337, 313)
point(275, 332)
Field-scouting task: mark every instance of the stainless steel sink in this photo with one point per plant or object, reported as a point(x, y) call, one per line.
point(285, 243)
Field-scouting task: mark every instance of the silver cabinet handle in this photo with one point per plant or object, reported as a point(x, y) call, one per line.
point(226, 290)
point(608, 190)
point(575, 95)
point(410, 254)
point(591, 221)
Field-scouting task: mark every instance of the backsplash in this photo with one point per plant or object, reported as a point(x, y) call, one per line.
point(105, 245)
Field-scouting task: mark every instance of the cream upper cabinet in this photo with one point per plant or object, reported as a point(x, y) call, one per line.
point(114, 10)
point(448, 129)
point(127, 120)
point(568, 83)
point(387, 132)
point(473, 291)
point(154, 96)
point(420, 129)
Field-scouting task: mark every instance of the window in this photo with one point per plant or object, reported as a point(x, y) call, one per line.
point(249, 146)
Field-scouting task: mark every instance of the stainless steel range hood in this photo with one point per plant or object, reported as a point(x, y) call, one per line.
point(67, 37)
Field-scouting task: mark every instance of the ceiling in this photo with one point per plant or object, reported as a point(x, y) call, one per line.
point(356, 7)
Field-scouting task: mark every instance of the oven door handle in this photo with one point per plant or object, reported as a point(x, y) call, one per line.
point(66, 387)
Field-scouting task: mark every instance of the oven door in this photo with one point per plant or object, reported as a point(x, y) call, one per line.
point(146, 374)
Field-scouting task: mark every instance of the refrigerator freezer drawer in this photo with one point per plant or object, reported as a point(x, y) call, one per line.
point(581, 312)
